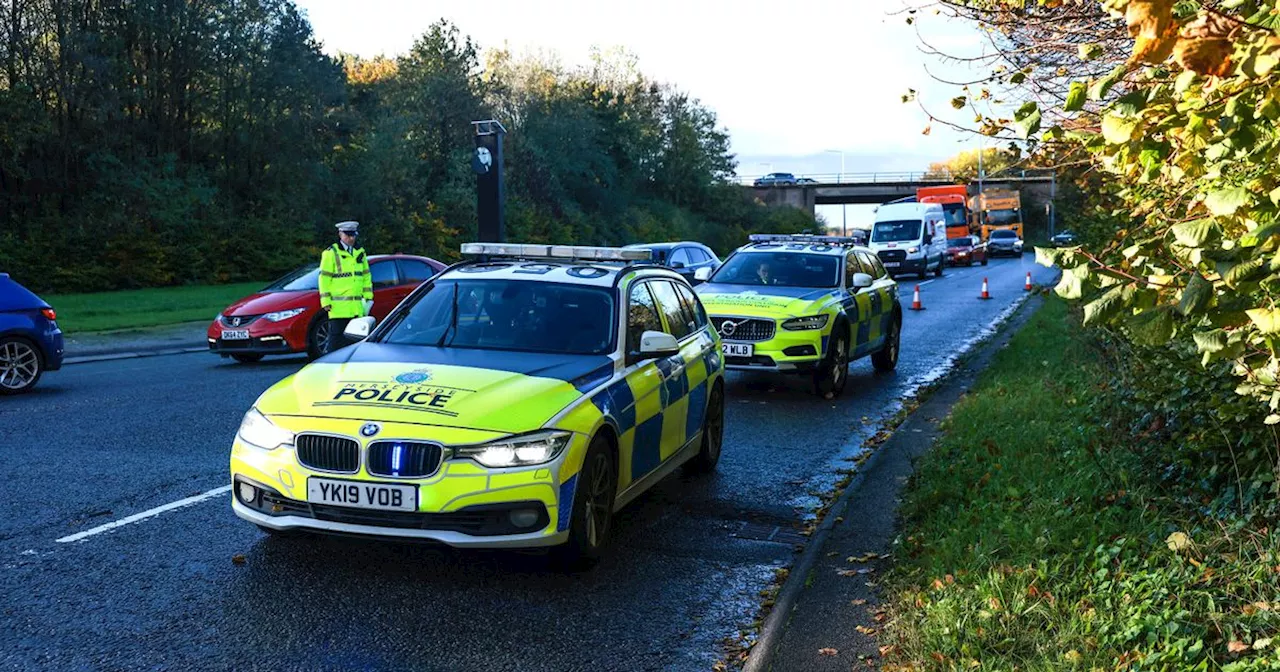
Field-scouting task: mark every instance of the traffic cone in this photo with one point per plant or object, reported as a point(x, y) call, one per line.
point(915, 302)
point(1027, 287)
point(985, 294)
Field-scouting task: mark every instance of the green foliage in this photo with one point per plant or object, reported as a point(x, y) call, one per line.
point(160, 143)
point(1039, 533)
point(138, 308)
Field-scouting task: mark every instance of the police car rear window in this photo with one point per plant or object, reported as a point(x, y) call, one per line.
point(508, 315)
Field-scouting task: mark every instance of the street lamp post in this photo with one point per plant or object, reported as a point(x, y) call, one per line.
point(844, 207)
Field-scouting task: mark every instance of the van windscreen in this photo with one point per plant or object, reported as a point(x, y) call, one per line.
point(896, 231)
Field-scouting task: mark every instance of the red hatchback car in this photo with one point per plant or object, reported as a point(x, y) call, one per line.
point(966, 250)
point(285, 317)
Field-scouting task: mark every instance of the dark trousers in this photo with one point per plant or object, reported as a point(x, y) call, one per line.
point(337, 340)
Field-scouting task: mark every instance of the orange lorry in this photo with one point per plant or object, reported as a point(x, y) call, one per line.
point(998, 209)
point(954, 199)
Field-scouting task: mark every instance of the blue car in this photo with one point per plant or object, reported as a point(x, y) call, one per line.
point(30, 340)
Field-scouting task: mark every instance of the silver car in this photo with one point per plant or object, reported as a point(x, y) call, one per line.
point(1004, 241)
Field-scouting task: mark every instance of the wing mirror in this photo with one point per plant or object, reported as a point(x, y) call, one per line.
point(677, 264)
point(862, 280)
point(359, 328)
point(702, 274)
point(658, 344)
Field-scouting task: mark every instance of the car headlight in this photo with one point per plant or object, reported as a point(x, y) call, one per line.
point(256, 430)
point(805, 323)
point(912, 250)
point(281, 315)
point(517, 451)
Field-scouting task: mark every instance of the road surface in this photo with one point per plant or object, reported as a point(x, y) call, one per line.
point(144, 443)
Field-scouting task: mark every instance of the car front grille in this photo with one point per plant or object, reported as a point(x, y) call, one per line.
point(238, 321)
point(743, 329)
point(403, 459)
point(484, 520)
point(328, 453)
point(892, 255)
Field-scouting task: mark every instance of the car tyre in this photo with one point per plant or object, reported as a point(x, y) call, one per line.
point(937, 272)
point(832, 373)
point(591, 520)
point(886, 358)
point(984, 260)
point(247, 357)
point(317, 337)
point(712, 435)
point(21, 365)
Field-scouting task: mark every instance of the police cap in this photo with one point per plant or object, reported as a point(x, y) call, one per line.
point(348, 227)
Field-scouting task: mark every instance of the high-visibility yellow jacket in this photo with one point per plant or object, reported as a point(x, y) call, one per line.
point(345, 283)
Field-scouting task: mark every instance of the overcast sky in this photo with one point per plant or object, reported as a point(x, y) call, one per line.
point(788, 80)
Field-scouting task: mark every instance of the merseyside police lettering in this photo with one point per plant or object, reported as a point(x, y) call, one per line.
point(410, 397)
point(389, 395)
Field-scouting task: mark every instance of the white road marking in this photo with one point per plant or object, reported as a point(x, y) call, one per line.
point(145, 514)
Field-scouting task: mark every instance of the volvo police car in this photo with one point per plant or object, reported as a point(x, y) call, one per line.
point(804, 304)
point(515, 400)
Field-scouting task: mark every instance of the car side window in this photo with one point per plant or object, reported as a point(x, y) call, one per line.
point(698, 256)
point(693, 306)
point(872, 263)
point(679, 256)
point(642, 315)
point(678, 323)
point(384, 274)
point(414, 272)
point(851, 266)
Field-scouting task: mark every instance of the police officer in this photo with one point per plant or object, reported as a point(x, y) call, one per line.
point(346, 288)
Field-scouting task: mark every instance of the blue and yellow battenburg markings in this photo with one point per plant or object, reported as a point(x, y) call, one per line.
point(659, 408)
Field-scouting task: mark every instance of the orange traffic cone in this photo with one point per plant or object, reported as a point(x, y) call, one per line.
point(985, 294)
point(1027, 287)
point(915, 302)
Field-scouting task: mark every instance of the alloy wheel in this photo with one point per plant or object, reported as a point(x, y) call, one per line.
point(597, 504)
point(19, 365)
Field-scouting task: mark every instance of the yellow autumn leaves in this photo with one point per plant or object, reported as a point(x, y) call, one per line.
point(1204, 44)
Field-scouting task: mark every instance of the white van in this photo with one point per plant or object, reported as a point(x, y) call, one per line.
point(910, 238)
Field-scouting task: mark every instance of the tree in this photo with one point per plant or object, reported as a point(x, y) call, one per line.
point(963, 167)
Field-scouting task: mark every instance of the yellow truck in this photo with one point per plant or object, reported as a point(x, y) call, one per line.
point(998, 209)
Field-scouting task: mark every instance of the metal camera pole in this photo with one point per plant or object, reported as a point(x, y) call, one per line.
point(491, 189)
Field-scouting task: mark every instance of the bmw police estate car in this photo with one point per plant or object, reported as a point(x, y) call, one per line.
point(810, 304)
point(515, 400)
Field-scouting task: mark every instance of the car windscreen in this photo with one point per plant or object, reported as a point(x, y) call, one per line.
point(1003, 233)
point(507, 315)
point(781, 269)
point(1002, 217)
point(959, 242)
point(305, 278)
point(954, 214)
point(896, 231)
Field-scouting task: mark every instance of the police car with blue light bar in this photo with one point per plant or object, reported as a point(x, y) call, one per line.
point(517, 399)
point(794, 303)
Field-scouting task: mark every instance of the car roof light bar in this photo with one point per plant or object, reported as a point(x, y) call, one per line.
point(574, 252)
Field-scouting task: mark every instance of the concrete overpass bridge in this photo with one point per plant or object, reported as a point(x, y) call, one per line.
point(876, 188)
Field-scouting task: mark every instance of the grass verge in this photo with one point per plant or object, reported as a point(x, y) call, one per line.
point(134, 308)
point(1036, 538)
